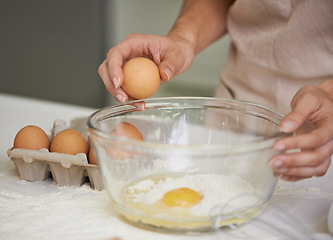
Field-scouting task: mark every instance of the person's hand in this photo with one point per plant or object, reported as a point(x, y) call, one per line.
point(312, 120)
point(172, 55)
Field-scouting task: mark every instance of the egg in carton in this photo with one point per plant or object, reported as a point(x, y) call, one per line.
point(66, 169)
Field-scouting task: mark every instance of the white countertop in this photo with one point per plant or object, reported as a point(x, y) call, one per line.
point(43, 210)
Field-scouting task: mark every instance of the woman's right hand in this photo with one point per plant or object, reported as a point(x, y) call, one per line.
point(172, 55)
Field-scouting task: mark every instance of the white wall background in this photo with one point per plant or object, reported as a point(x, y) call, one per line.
point(52, 49)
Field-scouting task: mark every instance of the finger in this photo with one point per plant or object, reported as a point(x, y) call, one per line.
point(114, 65)
point(174, 63)
point(119, 55)
point(305, 102)
point(292, 178)
point(103, 73)
point(167, 69)
point(171, 66)
point(119, 94)
point(304, 158)
point(322, 135)
point(304, 172)
point(288, 178)
point(140, 105)
point(135, 45)
point(165, 72)
point(314, 139)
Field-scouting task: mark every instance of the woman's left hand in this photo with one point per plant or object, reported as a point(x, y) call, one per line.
point(311, 119)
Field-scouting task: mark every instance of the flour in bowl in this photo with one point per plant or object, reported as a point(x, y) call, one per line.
point(220, 193)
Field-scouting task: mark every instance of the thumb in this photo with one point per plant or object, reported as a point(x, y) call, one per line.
point(167, 71)
point(292, 121)
point(303, 106)
point(174, 64)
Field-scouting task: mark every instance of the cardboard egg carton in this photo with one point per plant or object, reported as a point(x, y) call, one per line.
point(65, 169)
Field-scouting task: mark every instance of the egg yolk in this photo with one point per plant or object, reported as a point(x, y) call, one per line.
point(181, 197)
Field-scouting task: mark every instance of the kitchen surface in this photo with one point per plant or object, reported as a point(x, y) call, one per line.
point(44, 210)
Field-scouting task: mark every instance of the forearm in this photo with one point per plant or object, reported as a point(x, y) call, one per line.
point(201, 22)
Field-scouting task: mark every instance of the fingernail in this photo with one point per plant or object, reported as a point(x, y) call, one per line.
point(116, 82)
point(120, 98)
point(280, 146)
point(282, 170)
point(276, 163)
point(287, 126)
point(140, 106)
point(168, 73)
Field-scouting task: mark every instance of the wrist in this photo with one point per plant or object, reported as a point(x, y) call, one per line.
point(183, 32)
point(201, 22)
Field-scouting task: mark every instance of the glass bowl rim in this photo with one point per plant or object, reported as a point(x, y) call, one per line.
point(261, 144)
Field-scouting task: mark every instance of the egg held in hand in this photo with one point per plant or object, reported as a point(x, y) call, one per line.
point(31, 137)
point(181, 197)
point(69, 141)
point(141, 78)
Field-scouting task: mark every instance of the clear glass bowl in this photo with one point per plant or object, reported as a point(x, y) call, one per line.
point(213, 153)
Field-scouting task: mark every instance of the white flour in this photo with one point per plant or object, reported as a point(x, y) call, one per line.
point(80, 213)
point(220, 193)
point(70, 213)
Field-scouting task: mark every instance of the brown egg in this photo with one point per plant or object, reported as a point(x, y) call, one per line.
point(31, 137)
point(128, 130)
point(69, 141)
point(92, 157)
point(141, 78)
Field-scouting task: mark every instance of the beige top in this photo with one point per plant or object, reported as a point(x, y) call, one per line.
point(277, 47)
